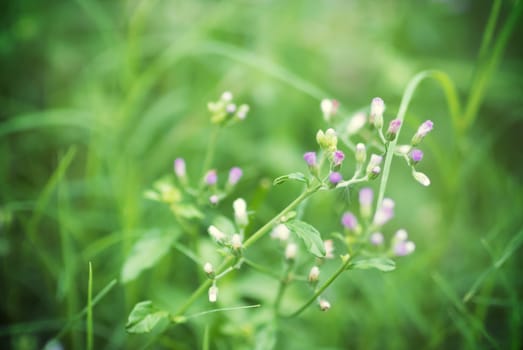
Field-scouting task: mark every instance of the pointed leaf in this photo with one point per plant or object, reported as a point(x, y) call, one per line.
point(144, 317)
point(309, 235)
point(382, 264)
point(300, 177)
point(149, 249)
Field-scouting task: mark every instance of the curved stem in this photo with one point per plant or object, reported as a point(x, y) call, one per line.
point(320, 290)
point(209, 153)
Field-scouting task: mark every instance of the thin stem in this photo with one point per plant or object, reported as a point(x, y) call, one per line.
point(209, 154)
point(90, 309)
point(489, 30)
point(405, 101)
point(256, 236)
point(284, 282)
point(260, 268)
point(320, 290)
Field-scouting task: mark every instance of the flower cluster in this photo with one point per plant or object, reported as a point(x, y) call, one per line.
point(225, 111)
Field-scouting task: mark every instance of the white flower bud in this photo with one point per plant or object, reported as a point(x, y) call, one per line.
point(361, 153)
point(290, 251)
point(213, 293)
point(240, 212)
point(227, 96)
point(314, 274)
point(208, 268)
point(356, 123)
point(324, 305)
point(216, 233)
point(281, 232)
point(236, 241)
point(401, 235)
point(421, 178)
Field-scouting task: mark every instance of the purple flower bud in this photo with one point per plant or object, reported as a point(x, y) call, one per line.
point(335, 177)
point(394, 127)
point(403, 248)
point(337, 157)
point(211, 177)
point(423, 130)
point(235, 175)
point(214, 199)
point(374, 161)
point(377, 238)
point(349, 221)
point(366, 197)
point(385, 212)
point(179, 167)
point(310, 158)
point(416, 156)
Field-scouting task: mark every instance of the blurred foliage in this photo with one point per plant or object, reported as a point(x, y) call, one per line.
point(98, 98)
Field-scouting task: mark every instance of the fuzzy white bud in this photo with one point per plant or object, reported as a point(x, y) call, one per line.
point(236, 241)
point(281, 232)
point(324, 305)
point(213, 294)
point(240, 212)
point(290, 251)
point(208, 268)
point(215, 233)
point(314, 274)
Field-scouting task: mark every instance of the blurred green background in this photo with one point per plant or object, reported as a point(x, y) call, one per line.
point(98, 97)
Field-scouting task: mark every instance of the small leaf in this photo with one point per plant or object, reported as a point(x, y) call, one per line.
point(309, 235)
point(149, 249)
point(382, 264)
point(144, 317)
point(224, 224)
point(300, 177)
point(187, 211)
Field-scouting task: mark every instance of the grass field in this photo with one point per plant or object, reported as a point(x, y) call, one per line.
point(98, 98)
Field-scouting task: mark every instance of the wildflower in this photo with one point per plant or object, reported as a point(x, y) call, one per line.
point(324, 305)
point(179, 168)
point(374, 173)
point(213, 293)
point(214, 199)
point(235, 175)
point(236, 241)
point(314, 274)
point(377, 107)
point(365, 197)
point(327, 140)
point(375, 160)
point(349, 221)
point(215, 233)
point(361, 153)
point(356, 123)
point(335, 177)
point(211, 177)
point(290, 251)
point(329, 108)
point(401, 235)
point(423, 130)
point(377, 238)
point(242, 112)
point(230, 108)
point(240, 212)
point(310, 158)
point(403, 248)
point(281, 232)
point(209, 269)
point(337, 158)
point(394, 127)
point(226, 96)
point(421, 178)
point(385, 212)
point(329, 248)
point(416, 155)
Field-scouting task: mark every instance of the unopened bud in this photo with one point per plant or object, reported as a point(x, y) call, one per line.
point(324, 305)
point(280, 232)
point(314, 274)
point(374, 173)
point(213, 293)
point(335, 178)
point(235, 174)
point(415, 156)
point(209, 269)
point(421, 178)
point(215, 233)
point(377, 107)
point(366, 197)
point(327, 140)
point(226, 96)
point(374, 161)
point(214, 199)
point(377, 238)
point(423, 130)
point(230, 108)
point(394, 128)
point(361, 153)
point(403, 248)
point(242, 112)
point(211, 177)
point(179, 168)
point(290, 251)
point(240, 212)
point(329, 108)
point(236, 241)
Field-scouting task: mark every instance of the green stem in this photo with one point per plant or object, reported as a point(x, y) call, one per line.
point(489, 30)
point(284, 282)
point(320, 290)
point(90, 309)
point(209, 154)
point(405, 101)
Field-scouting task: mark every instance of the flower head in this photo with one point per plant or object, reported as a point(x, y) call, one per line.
point(215, 233)
point(337, 158)
point(335, 177)
point(349, 221)
point(423, 130)
point(314, 274)
point(211, 177)
point(214, 199)
point(324, 305)
point(361, 153)
point(377, 238)
point(329, 108)
point(310, 158)
point(416, 155)
point(179, 167)
point(366, 197)
point(235, 175)
point(385, 212)
point(213, 293)
point(403, 248)
point(236, 241)
point(394, 128)
point(281, 232)
point(290, 251)
point(377, 107)
point(329, 248)
point(240, 212)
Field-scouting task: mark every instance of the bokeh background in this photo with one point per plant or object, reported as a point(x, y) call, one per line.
point(98, 97)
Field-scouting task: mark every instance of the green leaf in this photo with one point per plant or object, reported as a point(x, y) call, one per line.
point(149, 249)
point(187, 211)
point(224, 224)
point(144, 317)
point(266, 338)
point(300, 177)
point(382, 264)
point(309, 235)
